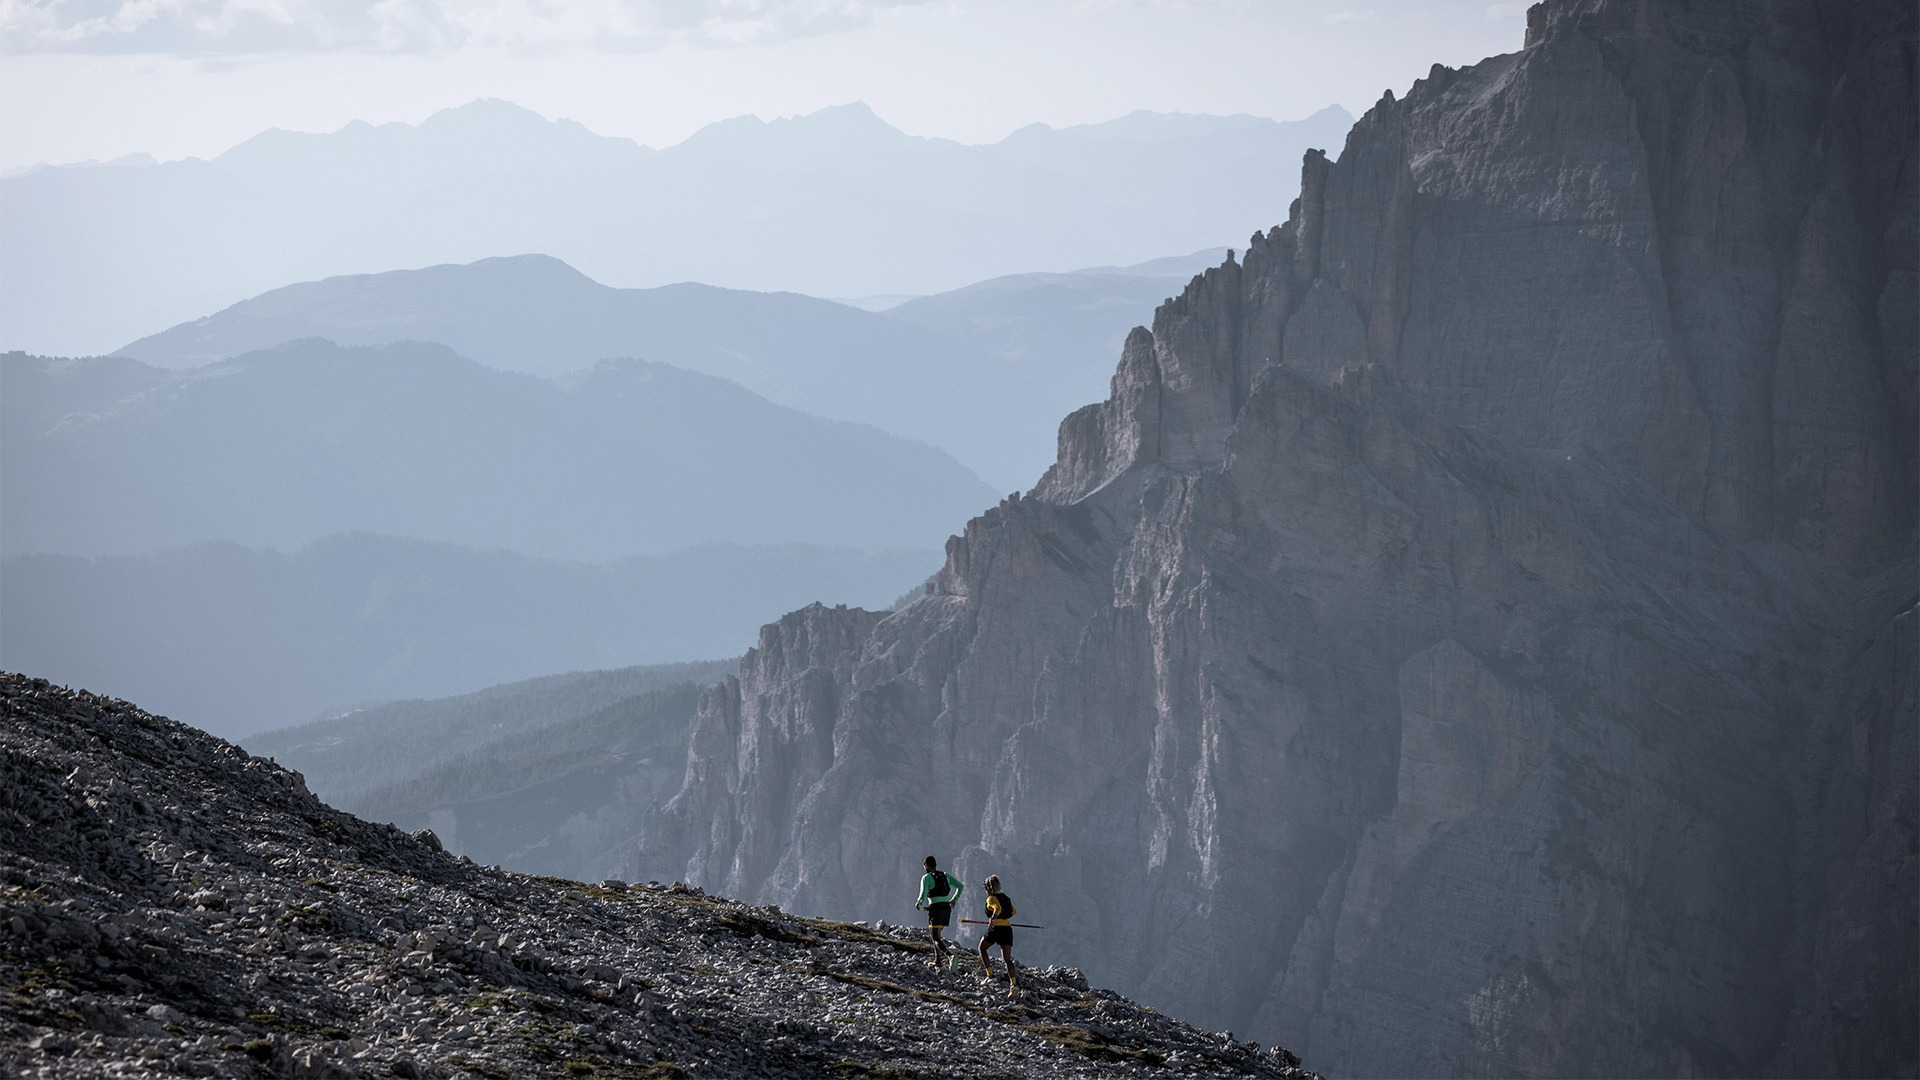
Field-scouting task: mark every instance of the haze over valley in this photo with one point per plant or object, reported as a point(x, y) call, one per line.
point(246, 639)
point(425, 482)
point(314, 526)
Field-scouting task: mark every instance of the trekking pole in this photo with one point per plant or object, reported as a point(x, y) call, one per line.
point(1023, 925)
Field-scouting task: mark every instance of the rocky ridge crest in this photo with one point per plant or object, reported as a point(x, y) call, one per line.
point(170, 905)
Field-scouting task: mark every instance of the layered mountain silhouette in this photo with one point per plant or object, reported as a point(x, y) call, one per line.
point(832, 204)
point(281, 447)
point(984, 372)
point(308, 527)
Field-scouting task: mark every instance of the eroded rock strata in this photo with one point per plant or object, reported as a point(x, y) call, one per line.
point(1476, 636)
point(171, 906)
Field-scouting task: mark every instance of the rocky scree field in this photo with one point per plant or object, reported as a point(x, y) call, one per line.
point(170, 905)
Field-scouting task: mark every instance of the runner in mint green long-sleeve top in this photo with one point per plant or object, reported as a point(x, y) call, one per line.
point(938, 891)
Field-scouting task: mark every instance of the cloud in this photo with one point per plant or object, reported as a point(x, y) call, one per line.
point(1337, 17)
point(211, 28)
point(1507, 10)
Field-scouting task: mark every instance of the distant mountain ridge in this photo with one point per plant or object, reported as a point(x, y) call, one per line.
point(985, 372)
point(315, 526)
point(280, 447)
point(836, 203)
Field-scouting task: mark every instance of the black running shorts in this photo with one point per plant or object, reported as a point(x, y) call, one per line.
point(938, 914)
point(998, 935)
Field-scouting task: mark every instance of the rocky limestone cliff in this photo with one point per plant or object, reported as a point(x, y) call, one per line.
point(1477, 634)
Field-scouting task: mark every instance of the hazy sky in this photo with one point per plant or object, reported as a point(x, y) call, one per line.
point(84, 79)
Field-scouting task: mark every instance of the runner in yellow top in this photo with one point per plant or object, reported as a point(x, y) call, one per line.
point(1000, 914)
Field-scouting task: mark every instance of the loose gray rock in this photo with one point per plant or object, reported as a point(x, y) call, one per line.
point(259, 932)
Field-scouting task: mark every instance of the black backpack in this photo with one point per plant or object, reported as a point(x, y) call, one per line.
point(944, 887)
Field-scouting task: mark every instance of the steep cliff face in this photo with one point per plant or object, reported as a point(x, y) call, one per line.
point(1476, 635)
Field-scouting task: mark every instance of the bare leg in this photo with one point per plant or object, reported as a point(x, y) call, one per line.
point(986, 965)
point(1006, 954)
point(939, 947)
